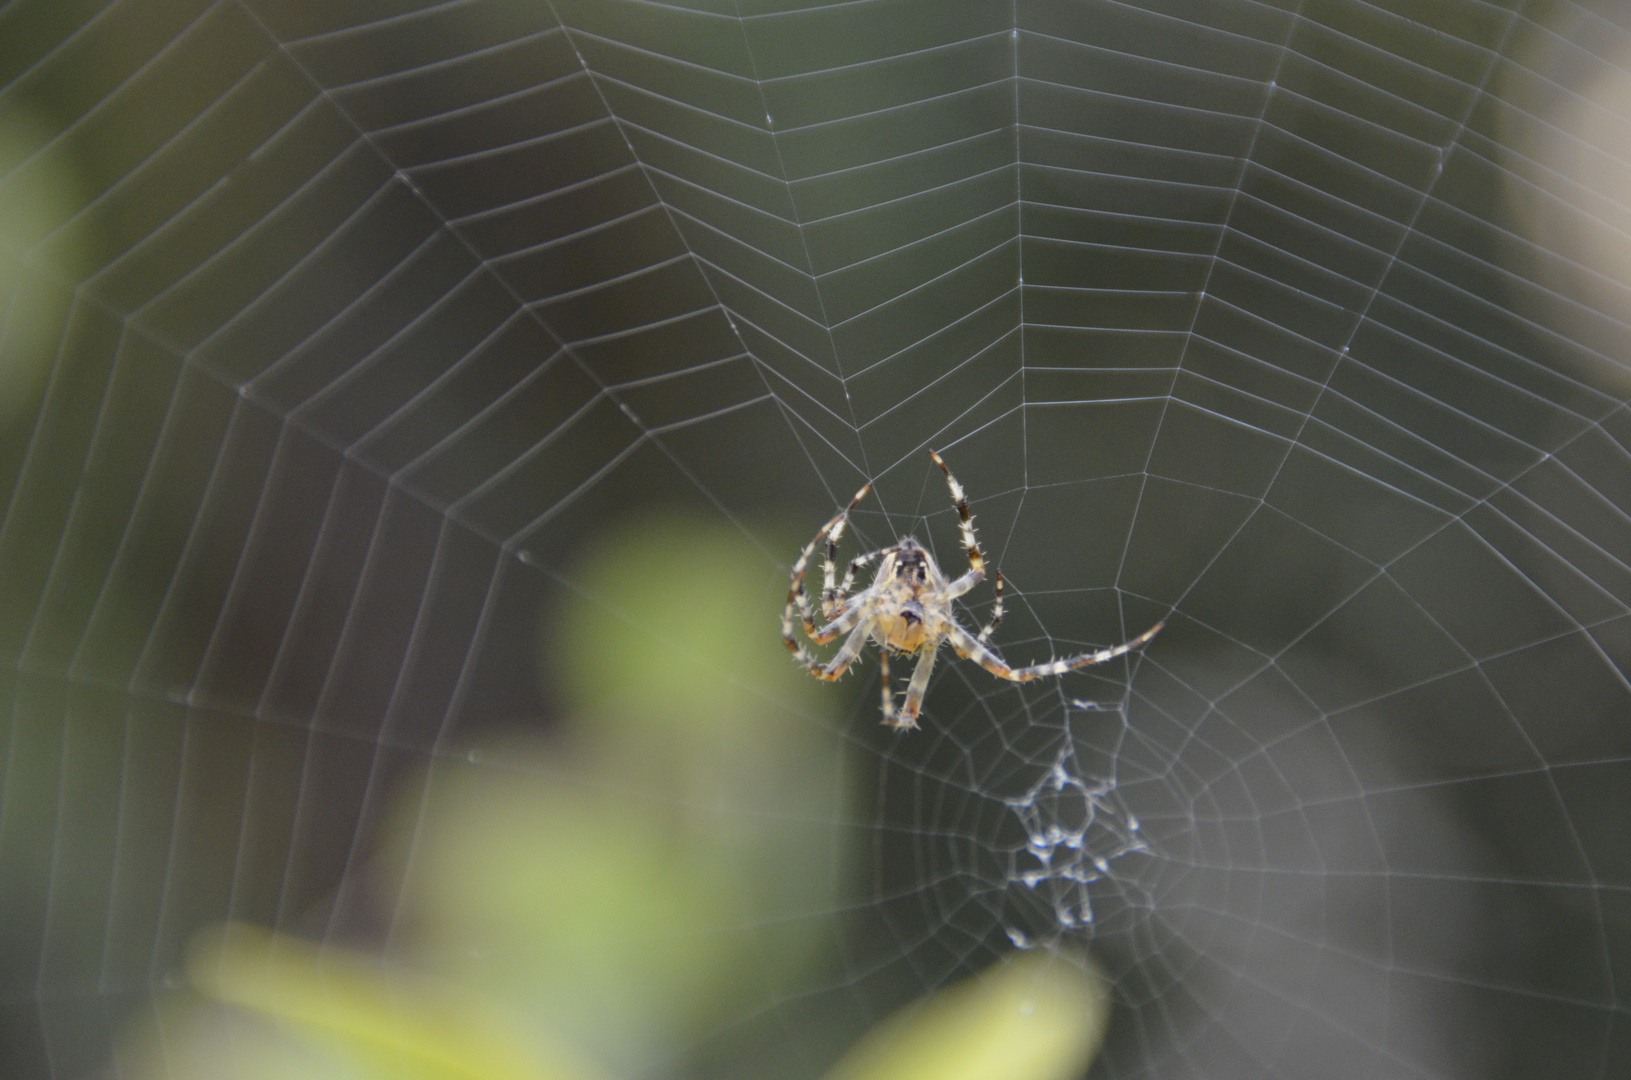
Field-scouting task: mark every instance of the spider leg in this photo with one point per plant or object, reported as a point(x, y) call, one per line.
point(833, 601)
point(915, 691)
point(887, 686)
point(835, 532)
point(971, 648)
point(796, 597)
point(996, 612)
point(834, 669)
point(847, 618)
point(976, 561)
point(846, 654)
point(829, 591)
point(834, 617)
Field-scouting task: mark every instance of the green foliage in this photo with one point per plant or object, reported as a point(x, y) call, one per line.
point(38, 193)
point(590, 904)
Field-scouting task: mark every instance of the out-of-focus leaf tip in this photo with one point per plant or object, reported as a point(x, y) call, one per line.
point(1038, 1017)
point(348, 999)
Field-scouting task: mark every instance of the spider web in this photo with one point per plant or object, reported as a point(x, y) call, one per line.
point(1273, 317)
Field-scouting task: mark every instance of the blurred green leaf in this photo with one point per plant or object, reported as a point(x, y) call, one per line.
point(386, 1026)
point(670, 852)
point(1035, 1017)
point(676, 626)
point(599, 915)
point(39, 192)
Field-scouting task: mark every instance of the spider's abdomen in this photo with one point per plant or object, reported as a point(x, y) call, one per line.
point(903, 631)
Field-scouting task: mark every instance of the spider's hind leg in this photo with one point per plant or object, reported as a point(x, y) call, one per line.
point(971, 648)
point(915, 691)
point(887, 687)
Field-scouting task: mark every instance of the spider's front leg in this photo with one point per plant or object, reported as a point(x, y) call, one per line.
point(834, 669)
point(834, 601)
point(832, 597)
point(847, 653)
point(829, 590)
point(976, 561)
point(847, 618)
point(796, 596)
point(996, 612)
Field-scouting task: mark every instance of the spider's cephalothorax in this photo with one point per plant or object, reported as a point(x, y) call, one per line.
point(907, 609)
point(903, 609)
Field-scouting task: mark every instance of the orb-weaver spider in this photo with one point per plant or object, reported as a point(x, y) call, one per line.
point(907, 609)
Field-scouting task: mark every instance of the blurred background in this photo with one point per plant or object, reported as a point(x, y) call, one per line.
point(409, 413)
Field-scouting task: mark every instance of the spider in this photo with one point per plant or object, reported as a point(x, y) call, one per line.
point(907, 609)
